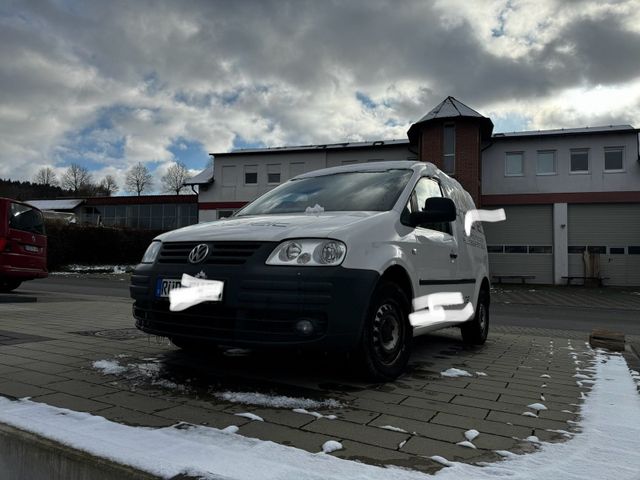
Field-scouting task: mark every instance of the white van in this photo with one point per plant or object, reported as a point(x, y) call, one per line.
point(331, 259)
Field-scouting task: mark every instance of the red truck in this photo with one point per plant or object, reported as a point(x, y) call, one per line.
point(23, 244)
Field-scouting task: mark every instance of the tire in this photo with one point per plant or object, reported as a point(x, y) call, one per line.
point(194, 346)
point(385, 345)
point(9, 285)
point(475, 331)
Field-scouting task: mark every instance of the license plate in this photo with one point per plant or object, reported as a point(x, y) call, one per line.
point(165, 285)
point(31, 248)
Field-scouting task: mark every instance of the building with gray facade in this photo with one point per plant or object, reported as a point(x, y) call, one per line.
point(572, 196)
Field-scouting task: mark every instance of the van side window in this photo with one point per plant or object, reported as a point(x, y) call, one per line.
point(426, 188)
point(22, 217)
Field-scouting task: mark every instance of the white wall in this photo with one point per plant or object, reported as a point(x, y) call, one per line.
point(229, 170)
point(494, 180)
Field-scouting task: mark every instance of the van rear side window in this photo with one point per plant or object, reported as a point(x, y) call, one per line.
point(22, 217)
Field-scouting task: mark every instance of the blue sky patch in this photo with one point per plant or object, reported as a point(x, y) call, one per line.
point(190, 152)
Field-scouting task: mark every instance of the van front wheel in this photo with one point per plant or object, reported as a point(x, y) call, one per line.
point(9, 285)
point(386, 339)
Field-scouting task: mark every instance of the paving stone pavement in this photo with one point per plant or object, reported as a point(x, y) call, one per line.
point(48, 349)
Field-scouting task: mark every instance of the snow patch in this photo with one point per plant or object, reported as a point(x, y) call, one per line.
point(442, 461)
point(537, 406)
point(471, 435)
point(393, 429)
point(231, 429)
point(529, 414)
point(109, 367)
point(455, 372)
point(315, 210)
point(482, 374)
point(250, 416)
point(275, 401)
point(466, 444)
point(544, 375)
point(314, 414)
point(331, 446)
point(532, 439)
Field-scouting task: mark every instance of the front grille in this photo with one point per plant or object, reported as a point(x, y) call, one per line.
point(220, 253)
point(217, 322)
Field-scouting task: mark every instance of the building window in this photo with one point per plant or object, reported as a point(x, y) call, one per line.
point(597, 249)
point(540, 249)
point(515, 249)
point(273, 174)
point(224, 214)
point(580, 160)
point(546, 164)
point(514, 164)
point(616, 250)
point(495, 248)
point(251, 174)
point(613, 159)
point(633, 249)
point(449, 149)
point(575, 249)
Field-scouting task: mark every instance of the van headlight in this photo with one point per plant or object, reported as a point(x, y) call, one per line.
point(311, 252)
point(152, 252)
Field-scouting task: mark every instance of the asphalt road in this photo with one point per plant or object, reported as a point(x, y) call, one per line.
point(537, 316)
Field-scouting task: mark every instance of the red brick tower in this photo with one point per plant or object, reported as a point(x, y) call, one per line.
point(451, 136)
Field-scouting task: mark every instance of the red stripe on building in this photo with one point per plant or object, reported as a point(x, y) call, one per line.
point(220, 205)
point(547, 198)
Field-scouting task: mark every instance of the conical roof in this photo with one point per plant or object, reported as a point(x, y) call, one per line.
point(451, 108)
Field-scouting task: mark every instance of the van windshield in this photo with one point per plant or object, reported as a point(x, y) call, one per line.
point(27, 219)
point(338, 192)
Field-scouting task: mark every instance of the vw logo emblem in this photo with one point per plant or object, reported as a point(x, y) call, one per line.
point(199, 253)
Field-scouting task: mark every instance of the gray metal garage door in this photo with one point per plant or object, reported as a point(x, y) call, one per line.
point(612, 233)
point(523, 243)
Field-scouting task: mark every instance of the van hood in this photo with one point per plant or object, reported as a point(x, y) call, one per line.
point(269, 228)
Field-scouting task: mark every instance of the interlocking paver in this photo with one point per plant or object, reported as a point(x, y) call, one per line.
point(430, 447)
point(435, 411)
point(363, 433)
point(446, 407)
point(72, 402)
point(493, 427)
point(201, 416)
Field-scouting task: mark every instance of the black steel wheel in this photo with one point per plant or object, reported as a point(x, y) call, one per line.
point(386, 338)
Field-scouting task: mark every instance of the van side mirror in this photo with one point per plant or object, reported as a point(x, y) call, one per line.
point(436, 210)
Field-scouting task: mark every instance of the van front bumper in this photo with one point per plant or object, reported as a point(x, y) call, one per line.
point(261, 305)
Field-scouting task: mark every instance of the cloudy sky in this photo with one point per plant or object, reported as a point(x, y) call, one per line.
point(108, 84)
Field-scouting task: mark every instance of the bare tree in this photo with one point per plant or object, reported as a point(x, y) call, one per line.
point(77, 178)
point(176, 175)
point(46, 176)
point(138, 179)
point(109, 185)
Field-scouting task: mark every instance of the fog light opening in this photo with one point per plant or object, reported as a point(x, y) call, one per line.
point(305, 327)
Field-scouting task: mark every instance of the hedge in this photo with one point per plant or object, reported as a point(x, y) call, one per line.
point(93, 245)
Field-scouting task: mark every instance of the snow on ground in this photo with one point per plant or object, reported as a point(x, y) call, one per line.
point(115, 269)
point(471, 435)
point(109, 367)
point(393, 429)
point(537, 406)
point(455, 372)
point(314, 414)
point(275, 401)
point(606, 448)
point(331, 446)
point(250, 416)
point(149, 371)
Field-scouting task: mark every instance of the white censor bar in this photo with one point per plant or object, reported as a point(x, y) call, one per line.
point(436, 313)
point(473, 216)
point(194, 291)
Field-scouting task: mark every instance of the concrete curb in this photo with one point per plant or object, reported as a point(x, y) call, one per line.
point(10, 298)
point(24, 455)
